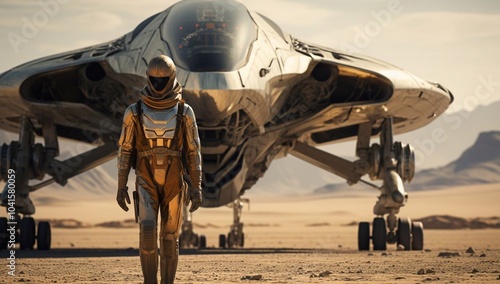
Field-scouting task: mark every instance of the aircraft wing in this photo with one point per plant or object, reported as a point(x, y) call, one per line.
point(343, 91)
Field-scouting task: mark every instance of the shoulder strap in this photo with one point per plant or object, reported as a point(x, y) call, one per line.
point(179, 116)
point(138, 108)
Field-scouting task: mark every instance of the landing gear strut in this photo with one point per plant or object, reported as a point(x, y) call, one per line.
point(188, 238)
point(391, 162)
point(236, 237)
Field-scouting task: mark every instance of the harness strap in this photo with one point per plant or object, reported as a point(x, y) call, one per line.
point(178, 125)
point(158, 150)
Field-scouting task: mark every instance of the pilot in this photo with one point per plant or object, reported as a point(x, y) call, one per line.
point(159, 132)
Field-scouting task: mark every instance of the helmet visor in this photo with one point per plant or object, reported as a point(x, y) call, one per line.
point(159, 83)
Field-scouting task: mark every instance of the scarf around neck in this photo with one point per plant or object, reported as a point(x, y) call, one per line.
point(168, 101)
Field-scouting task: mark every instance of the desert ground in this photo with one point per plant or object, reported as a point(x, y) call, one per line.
point(288, 240)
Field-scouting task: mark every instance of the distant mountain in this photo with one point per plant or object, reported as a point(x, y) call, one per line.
point(444, 140)
point(479, 164)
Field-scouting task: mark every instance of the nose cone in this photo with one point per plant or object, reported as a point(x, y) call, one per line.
point(213, 96)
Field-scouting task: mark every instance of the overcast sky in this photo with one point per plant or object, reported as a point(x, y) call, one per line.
point(456, 43)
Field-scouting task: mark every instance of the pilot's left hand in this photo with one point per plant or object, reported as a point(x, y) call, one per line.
point(121, 197)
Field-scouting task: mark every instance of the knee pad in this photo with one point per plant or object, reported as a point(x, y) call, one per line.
point(148, 235)
point(169, 246)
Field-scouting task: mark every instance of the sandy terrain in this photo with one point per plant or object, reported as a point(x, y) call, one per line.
point(288, 240)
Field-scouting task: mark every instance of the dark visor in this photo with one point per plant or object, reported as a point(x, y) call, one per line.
point(159, 83)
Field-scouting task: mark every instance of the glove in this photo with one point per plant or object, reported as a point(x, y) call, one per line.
point(121, 197)
point(194, 195)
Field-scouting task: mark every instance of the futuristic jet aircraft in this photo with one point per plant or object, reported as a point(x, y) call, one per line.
point(258, 93)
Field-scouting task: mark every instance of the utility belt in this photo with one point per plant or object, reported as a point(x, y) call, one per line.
point(158, 151)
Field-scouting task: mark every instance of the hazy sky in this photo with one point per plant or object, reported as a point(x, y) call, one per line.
point(456, 43)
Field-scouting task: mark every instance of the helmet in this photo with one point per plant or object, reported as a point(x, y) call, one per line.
point(161, 76)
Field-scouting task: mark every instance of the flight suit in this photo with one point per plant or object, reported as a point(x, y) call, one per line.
point(147, 142)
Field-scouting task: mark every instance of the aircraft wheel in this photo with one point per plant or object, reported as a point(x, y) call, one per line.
point(181, 241)
point(27, 234)
point(222, 241)
point(202, 242)
point(417, 232)
point(404, 232)
point(4, 237)
point(230, 240)
point(196, 240)
point(364, 236)
point(242, 240)
point(379, 236)
point(44, 236)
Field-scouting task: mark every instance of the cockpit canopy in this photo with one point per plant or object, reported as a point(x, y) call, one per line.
point(209, 35)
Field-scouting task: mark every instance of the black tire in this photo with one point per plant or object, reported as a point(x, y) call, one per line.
point(203, 242)
point(379, 236)
point(195, 241)
point(44, 236)
point(27, 234)
point(222, 241)
point(181, 241)
point(417, 232)
point(404, 232)
point(4, 237)
point(229, 240)
point(242, 240)
point(364, 236)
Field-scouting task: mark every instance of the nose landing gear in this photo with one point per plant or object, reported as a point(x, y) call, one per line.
point(188, 238)
point(236, 237)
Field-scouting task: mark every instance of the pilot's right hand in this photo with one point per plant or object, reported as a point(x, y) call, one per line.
point(121, 197)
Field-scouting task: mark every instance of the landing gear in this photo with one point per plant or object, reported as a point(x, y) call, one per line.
point(409, 235)
point(25, 160)
point(3, 233)
point(44, 237)
point(364, 236)
point(188, 238)
point(391, 162)
point(404, 233)
point(27, 234)
point(379, 236)
point(24, 234)
point(417, 233)
point(236, 237)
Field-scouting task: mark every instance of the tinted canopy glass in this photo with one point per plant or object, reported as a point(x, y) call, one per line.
point(209, 35)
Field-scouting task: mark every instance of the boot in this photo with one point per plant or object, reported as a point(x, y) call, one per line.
point(148, 249)
point(169, 256)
